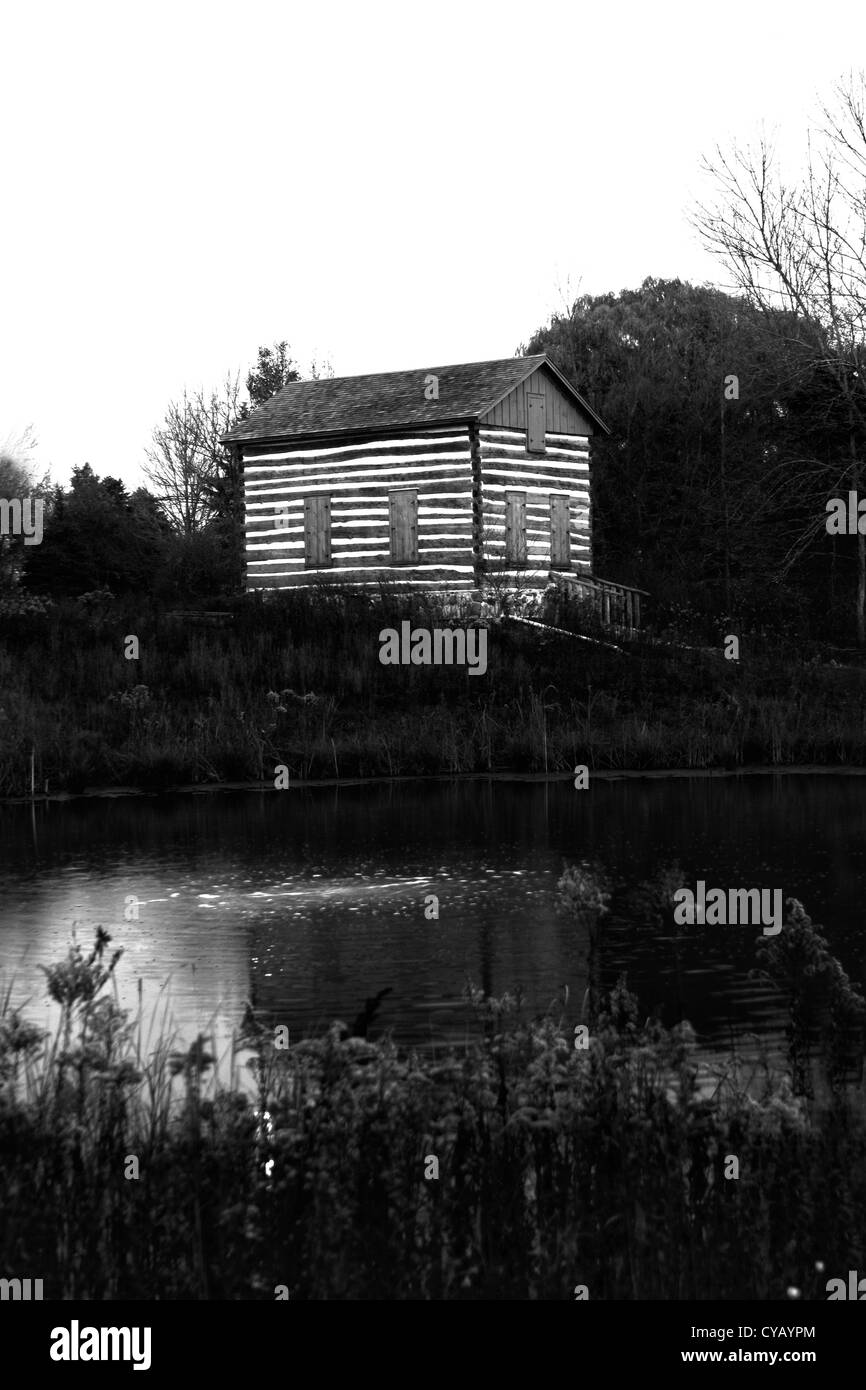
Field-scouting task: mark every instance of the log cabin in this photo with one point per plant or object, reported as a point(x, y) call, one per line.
point(447, 478)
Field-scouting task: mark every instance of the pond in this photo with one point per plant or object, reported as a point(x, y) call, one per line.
point(307, 901)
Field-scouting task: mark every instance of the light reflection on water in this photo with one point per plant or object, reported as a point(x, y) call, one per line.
point(308, 902)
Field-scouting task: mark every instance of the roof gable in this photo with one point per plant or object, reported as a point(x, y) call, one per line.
point(393, 400)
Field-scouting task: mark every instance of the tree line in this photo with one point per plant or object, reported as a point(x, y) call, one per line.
point(737, 414)
point(179, 540)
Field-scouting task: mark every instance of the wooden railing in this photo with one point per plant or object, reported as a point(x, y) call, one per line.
point(617, 605)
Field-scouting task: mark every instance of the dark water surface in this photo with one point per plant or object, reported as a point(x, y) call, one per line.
point(311, 899)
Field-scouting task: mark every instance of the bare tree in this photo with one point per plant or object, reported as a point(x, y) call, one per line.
point(216, 413)
point(797, 250)
point(19, 449)
point(221, 466)
point(175, 467)
point(197, 479)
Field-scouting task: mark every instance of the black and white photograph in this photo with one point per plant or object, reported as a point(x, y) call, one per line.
point(432, 675)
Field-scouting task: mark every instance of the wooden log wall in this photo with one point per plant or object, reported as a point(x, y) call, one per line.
point(562, 470)
point(357, 477)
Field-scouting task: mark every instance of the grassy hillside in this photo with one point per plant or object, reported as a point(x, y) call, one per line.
point(297, 680)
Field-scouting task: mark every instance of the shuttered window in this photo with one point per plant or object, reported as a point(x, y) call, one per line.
point(515, 528)
point(317, 532)
point(536, 427)
point(404, 526)
point(560, 534)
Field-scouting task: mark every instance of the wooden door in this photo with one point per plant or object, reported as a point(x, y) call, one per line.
point(535, 418)
point(317, 532)
point(515, 528)
point(560, 534)
point(404, 526)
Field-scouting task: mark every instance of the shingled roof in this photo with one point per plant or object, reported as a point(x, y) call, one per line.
point(363, 404)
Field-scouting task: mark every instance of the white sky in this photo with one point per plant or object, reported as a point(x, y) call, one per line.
point(384, 185)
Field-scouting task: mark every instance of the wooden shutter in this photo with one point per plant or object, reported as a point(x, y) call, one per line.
point(515, 528)
point(535, 417)
point(317, 532)
point(404, 526)
point(560, 534)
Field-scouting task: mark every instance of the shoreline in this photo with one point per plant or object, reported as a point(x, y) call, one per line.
point(604, 775)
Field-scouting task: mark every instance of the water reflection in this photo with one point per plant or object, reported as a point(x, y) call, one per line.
point(309, 901)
